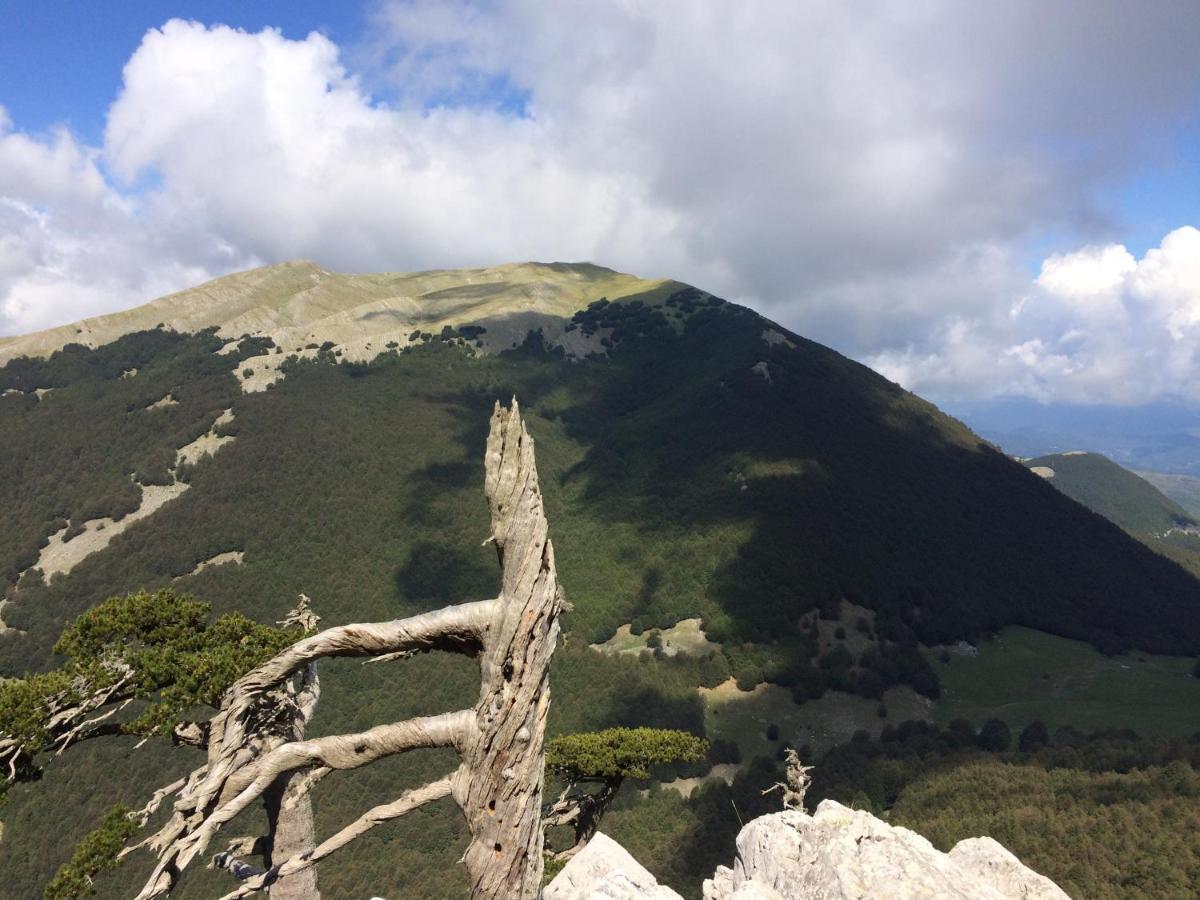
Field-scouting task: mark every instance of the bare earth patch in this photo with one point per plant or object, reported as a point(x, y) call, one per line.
point(59, 557)
point(772, 337)
point(221, 559)
point(685, 786)
point(1043, 471)
point(206, 444)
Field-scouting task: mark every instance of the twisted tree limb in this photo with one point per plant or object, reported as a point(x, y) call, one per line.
point(500, 742)
point(407, 802)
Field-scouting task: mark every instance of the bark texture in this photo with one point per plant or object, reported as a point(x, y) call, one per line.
point(499, 786)
point(500, 741)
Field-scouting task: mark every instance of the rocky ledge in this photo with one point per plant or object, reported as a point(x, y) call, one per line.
point(835, 854)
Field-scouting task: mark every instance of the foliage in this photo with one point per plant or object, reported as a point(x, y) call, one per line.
point(162, 644)
point(23, 707)
point(1098, 835)
point(995, 736)
point(179, 658)
point(1034, 737)
point(95, 853)
point(617, 753)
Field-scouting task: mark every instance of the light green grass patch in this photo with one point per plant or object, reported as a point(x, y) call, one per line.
point(1025, 675)
point(744, 717)
point(686, 637)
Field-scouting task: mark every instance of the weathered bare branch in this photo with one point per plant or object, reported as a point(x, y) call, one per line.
point(581, 810)
point(143, 815)
point(407, 802)
point(248, 782)
point(301, 616)
point(191, 734)
point(499, 787)
point(13, 757)
point(500, 741)
point(302, 786)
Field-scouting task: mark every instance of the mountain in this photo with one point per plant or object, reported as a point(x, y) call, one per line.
point(1126, 499)
point(1116, 493)
point(790, 524)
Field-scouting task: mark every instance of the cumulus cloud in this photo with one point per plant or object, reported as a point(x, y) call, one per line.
point(1095, 326)
point(866, 174)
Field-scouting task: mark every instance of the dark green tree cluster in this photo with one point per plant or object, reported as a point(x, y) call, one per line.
point(94, 854)
point(159, 648)
point(592, 767)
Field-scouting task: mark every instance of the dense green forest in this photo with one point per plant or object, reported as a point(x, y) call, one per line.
point(1128, 500)
point(695, 470)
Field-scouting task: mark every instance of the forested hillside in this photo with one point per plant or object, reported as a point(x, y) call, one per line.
point(702, 464)
point(1126, 499)
point(1117, 494)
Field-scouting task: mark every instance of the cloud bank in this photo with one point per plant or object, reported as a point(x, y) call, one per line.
point(868, 174)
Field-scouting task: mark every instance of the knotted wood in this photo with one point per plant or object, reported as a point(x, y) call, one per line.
point(500, 742)
point(499, 786)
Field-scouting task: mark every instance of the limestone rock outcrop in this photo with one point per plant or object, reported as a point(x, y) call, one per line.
point(844, 854)
point(604, 869)
point(835, 854)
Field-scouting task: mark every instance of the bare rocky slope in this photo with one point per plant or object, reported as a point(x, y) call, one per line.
point(300, 305)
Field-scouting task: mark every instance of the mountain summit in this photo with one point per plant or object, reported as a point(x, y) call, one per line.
point(296, 303)
point(752, 529)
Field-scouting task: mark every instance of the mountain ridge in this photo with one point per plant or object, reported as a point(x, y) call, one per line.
point(300, 301)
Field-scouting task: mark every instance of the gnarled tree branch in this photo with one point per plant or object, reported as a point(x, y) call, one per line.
point(407, 802)
point(499, 742)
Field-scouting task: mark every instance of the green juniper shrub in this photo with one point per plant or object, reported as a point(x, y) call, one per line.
point(95, 853)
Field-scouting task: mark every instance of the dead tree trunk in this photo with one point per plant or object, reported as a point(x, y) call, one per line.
point(500, 742)
point(291, 831)
point(499, 786)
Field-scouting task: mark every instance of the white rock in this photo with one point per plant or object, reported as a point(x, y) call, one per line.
point(603, 869)
point(845, 854)
point(989, 861)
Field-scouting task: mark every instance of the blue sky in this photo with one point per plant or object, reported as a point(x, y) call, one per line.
point(975, 198)
point(60, 63)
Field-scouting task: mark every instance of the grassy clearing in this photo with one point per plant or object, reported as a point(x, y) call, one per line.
point(1024, 675)
point(745, 716)
point(686, 637)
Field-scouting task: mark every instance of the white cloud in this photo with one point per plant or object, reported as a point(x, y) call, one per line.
point(1086, 273)
point(1096, 326)
point(867, 177)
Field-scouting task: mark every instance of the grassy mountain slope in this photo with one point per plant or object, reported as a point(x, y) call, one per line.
point(295, 303)
point(704, 463)
point(1128, 500)
point(1112, 491)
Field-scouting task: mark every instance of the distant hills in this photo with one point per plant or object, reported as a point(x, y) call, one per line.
point(302, 430)
point(1112, 491)
point(1182, 489)
point(1160, 437)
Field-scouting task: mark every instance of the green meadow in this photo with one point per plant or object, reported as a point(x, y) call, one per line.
point(1024, 675)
